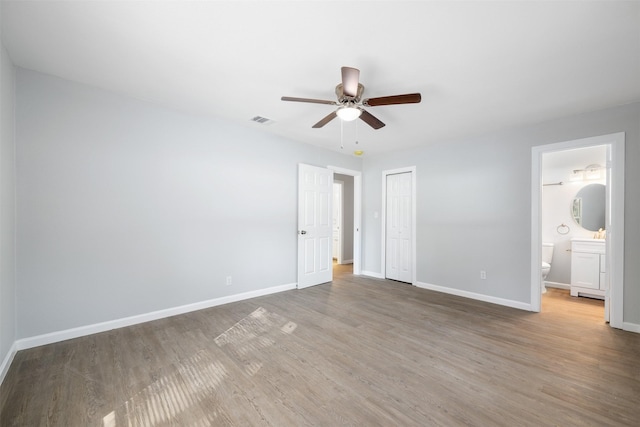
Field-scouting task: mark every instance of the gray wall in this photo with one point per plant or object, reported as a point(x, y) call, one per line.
point(125, 208)
point(347, 220)
point(474, 205)
point(7, 206)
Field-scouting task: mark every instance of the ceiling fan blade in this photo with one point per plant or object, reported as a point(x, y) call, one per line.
point(326, 120)
point(371, 120)
point(314, 101)
point(410, 98)
point(350, 80)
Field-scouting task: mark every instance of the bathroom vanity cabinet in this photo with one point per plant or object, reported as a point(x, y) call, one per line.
point(588, 268)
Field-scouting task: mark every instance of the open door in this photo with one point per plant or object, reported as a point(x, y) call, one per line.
point(315, 226)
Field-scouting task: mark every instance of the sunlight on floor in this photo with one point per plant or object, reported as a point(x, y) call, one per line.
point(199, 376)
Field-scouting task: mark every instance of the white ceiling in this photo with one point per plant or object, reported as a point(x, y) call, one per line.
point(480, 66)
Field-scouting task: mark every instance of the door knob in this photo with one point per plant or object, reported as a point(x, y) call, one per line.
point(302, 232)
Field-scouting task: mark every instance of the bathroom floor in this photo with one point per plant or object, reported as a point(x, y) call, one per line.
point(558, 302)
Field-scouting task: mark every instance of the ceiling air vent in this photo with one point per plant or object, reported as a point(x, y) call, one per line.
point(262, 120)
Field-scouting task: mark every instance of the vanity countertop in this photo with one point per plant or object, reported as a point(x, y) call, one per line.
point(586, 239)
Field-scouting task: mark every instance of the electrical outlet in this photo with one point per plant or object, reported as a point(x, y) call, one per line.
point(483, 275)
point(228, 280)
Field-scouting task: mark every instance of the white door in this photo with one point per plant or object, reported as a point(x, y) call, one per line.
point(315, 228)
point(398, 227)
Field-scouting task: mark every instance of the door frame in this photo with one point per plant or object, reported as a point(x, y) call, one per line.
point(338, 256)
point(357, 215)
point(383, 258)
point(615, 235)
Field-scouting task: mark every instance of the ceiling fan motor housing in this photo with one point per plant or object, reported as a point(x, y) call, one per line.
point(345, 99)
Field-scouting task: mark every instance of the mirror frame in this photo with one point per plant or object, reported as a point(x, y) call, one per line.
point(579, 205)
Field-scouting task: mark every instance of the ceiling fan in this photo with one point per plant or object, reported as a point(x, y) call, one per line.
point(350, 103)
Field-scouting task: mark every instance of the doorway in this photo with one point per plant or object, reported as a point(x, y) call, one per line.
point(338, 190)
point(612, 259)
point(573, 213)
point(315, 197)
point(343, 231)
point(351, 217)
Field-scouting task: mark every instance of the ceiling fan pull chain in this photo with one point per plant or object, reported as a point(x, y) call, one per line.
point(356, 133)
point(341, 135)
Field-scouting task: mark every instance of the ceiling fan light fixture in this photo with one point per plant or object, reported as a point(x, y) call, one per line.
point(348, 114)
point(351, 105)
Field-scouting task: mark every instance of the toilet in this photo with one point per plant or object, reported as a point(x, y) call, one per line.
point(547, 256)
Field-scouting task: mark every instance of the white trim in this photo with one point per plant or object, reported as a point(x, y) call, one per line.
point(615, 235)
point(357, 215)
point(383, 235)
point(557, 285)
point(6, 363)
point(357, 224)
point(475, 296)
point(536, 228)
point(372, 274)
point(347, 261)
point(81, 331)
point(631, 327)
point(338, 256)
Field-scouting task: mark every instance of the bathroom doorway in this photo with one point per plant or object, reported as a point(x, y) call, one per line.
point(609, 251)
point(574, 186)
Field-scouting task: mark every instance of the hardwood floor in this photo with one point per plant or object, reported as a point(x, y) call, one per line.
point(359, 351)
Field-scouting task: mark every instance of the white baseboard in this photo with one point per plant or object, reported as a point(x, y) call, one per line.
point(81, 331)
point(557, 285)
point(372, 274)
point(473, 295)
point(4, 368)
point(347, 261)
point(58, 336)
point(631, 327)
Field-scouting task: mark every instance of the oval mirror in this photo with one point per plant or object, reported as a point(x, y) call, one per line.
point(588, 207)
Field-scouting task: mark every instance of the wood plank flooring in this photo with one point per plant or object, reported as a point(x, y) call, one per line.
point(358, 351)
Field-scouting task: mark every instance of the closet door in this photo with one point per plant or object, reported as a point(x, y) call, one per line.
point(398, 227)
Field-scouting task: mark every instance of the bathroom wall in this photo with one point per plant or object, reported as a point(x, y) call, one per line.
point(556, 205)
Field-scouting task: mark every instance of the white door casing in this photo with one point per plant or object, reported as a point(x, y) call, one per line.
point(607, 244)
point(315, 228)
point(337, 220)
point(398, 212)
